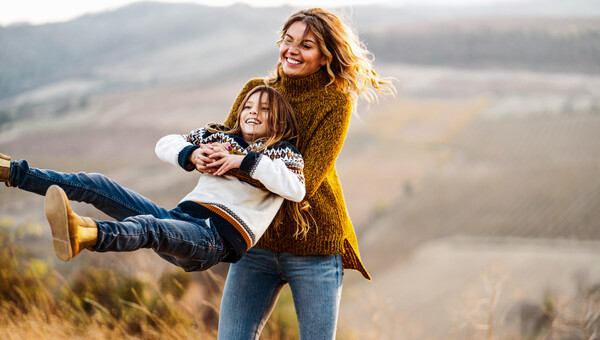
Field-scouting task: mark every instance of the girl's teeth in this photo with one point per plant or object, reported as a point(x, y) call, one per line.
point(292, 61)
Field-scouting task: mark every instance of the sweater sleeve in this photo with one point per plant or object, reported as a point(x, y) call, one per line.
point(176, 150)
point(282, 176)
point(325, 143)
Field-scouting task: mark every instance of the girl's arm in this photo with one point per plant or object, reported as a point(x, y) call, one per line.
point(282, 176)
point(185, 150)
point(176, 150)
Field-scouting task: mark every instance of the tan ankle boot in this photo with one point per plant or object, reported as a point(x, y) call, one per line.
point(70, 232)
point(4, 168)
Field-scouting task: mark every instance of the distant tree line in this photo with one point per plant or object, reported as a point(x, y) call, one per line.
point(577, 51)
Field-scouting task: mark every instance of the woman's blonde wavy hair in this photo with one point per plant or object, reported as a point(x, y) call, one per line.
point(349, 63)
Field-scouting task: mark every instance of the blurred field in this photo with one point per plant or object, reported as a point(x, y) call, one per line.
point(475, 192)
point(508, 168)
point(498, 228)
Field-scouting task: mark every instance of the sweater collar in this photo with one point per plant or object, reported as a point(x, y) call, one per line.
point(317, 80)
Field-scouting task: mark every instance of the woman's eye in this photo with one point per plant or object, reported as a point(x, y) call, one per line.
point(306, 47)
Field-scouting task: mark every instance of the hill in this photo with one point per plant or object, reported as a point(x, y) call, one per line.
point(496, 150)
point(149, 44)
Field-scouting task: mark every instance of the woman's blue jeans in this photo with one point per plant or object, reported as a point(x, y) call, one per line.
point(254, 283)
point(189, 242)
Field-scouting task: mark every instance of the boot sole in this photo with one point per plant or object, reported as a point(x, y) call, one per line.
point(56, 205)
point(4, 169)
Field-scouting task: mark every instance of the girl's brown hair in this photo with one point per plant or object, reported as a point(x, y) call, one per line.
point(349, 63)
point(281, 126)
point(281, 121)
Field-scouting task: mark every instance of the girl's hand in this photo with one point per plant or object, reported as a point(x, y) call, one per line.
point(225, 162)
point(200, 157)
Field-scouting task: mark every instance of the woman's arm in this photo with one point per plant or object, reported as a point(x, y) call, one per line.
point(322, 148)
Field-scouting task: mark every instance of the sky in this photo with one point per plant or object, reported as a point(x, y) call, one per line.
point(46, 11)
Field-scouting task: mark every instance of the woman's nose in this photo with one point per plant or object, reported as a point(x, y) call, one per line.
point(294, 49)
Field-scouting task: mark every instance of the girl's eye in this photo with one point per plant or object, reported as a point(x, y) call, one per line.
point(265, 108)
point(306, 47)
point(247, 107)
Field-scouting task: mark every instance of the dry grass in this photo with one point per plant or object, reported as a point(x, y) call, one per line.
point(39, 300)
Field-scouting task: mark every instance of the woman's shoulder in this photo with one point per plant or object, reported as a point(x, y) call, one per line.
point(331, 100)
point(252, 83)
point(337, 95)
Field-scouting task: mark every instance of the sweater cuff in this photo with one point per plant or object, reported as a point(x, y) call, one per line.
point(184, 157)
point(250, 162)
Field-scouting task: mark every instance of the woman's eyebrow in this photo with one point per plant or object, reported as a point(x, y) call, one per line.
point(304, 40)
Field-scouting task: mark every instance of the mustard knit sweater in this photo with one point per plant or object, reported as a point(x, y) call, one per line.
point(323, 115)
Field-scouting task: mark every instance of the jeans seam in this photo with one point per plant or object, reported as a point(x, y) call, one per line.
point(97, 192)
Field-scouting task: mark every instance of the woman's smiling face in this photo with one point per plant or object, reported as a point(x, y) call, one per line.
point(299, 53)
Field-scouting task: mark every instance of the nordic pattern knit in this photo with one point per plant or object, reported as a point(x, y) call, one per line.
point(323, 115)
point(241, 212)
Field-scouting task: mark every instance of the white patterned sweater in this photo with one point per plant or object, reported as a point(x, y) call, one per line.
point(240, 211)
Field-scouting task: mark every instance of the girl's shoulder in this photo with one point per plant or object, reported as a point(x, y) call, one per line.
point(284, 145)
point(282, 149)
point(217, 133)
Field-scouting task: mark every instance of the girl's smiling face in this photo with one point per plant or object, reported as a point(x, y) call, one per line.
point(299, 53)
point(253, 118)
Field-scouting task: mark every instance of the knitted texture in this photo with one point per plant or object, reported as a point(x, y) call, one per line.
point(323, 115)
point(240, 212)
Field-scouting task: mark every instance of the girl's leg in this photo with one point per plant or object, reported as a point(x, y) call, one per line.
point(316, 284)
point(251, 290)
point(193, 244)
point(96, 189)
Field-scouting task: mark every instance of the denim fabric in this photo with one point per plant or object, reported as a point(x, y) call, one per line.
point(254, 283)
point(189, 242)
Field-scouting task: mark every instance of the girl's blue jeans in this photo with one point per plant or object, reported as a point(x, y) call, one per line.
point(254, 283)
point(189, 242)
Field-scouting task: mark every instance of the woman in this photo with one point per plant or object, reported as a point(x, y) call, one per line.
point(323, 69)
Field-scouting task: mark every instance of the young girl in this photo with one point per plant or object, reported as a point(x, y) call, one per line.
point(217, 221)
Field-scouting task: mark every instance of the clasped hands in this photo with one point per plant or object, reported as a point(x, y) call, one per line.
point(215, 159)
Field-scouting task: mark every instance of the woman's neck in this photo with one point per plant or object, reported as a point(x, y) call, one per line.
point(316, 80)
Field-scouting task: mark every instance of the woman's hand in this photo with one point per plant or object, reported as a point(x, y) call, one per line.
point(223, 162)
point(201, 156)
